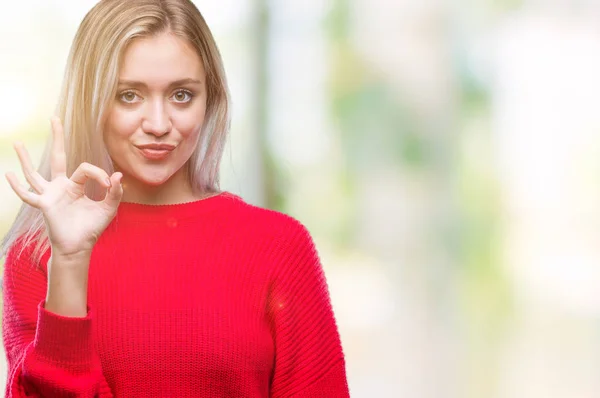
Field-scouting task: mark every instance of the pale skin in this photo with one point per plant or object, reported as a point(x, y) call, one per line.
point(161, 100)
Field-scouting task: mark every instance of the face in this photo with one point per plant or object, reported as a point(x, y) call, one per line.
point(154, 123)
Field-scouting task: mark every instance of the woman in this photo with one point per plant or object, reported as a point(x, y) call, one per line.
point(128, 273)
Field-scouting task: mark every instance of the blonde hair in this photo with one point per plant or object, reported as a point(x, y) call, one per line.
point(90, 84)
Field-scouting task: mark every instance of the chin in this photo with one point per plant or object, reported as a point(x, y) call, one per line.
point(152, 180)
point(155, 182)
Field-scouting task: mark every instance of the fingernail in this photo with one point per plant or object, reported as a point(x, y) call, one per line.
point(107, 181)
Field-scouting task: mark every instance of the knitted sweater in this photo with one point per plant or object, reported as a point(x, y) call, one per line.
point(213, 298)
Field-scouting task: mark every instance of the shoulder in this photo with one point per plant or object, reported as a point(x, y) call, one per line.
point(269, 223)
point(285, 244)
point(281, 235)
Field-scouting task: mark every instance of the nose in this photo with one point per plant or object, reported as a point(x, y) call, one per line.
point(156, 119)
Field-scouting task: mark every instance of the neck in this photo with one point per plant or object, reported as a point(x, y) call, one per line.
point(176, 190)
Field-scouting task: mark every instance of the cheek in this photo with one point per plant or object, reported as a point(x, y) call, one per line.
point(121, 124)
point(119, 127)
point(189, 124)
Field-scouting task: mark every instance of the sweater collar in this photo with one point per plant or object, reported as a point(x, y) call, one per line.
point(178, 211)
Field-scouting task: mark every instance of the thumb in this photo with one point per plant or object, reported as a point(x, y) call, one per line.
point(115, 192)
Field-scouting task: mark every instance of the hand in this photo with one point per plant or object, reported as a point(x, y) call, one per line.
point(74, 222)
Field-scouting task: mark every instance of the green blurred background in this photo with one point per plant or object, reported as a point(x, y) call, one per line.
point(444, 155)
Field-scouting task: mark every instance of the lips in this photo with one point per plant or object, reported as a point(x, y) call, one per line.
point(155, 151)
point(158, 147)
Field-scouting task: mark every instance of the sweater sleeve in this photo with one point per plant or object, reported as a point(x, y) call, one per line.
point(48, 355)
point(309, 361)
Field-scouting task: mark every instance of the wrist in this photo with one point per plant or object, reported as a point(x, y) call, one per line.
point(70, 258)
point(67, 292)
point(67, 284)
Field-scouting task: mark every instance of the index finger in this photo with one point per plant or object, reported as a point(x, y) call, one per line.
point(58, 158)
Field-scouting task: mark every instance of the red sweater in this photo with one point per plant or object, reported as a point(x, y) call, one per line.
point(213, 298)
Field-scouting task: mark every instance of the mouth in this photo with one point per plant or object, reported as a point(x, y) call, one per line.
point(154, 154)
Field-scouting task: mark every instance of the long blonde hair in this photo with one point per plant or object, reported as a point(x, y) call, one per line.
point(90, 84)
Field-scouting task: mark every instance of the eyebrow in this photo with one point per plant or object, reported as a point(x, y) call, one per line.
point(179, 82)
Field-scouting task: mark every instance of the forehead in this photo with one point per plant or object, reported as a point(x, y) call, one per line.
point(160, 59)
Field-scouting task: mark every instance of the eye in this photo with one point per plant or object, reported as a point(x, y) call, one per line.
point(129, 97)
point(182, 96)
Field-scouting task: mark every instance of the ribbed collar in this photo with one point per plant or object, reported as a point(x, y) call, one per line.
point(161, 213)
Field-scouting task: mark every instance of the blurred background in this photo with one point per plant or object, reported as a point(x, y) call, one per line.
point(445, 156)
